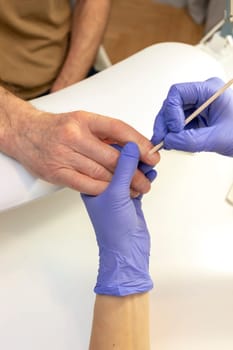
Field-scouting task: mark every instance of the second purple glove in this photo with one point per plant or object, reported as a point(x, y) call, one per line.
point(211, 131)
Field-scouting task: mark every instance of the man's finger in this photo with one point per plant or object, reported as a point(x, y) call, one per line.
point(121, 133)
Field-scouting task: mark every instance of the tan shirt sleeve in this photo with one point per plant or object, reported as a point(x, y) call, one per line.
point(34, 37)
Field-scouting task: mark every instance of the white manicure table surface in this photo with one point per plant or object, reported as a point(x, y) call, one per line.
point(48, 254)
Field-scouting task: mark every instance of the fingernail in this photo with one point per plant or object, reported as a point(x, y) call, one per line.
point(134, 194)
point(153, 157)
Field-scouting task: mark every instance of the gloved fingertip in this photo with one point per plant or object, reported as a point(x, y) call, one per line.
point(126, 166)
point(131, 149)
point(151, 175)
point(144, 167)
point(156, 139)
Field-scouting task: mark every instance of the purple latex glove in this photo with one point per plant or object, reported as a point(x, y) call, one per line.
point(211, 131)
point(121, 231)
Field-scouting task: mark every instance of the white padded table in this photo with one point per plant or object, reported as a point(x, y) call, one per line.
point(48, 254)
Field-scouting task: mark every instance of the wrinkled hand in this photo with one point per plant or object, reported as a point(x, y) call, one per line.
point(211, 131)
point(121, 231)
point(72, 149)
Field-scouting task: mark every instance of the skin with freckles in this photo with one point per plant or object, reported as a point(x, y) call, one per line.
point(69, 149)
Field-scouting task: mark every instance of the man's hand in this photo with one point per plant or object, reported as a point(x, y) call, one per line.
point(69, 149)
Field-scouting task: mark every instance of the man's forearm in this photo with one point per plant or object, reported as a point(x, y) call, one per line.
point(121, 323)
point(88, 26)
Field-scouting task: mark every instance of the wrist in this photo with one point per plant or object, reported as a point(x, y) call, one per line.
point(74, 70)
point(14, 114)
point(123, 275)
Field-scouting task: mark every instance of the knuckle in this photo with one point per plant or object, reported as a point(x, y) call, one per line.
point(69, 129)
point(111, 158)
point(116, 125)
point(100, 173)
